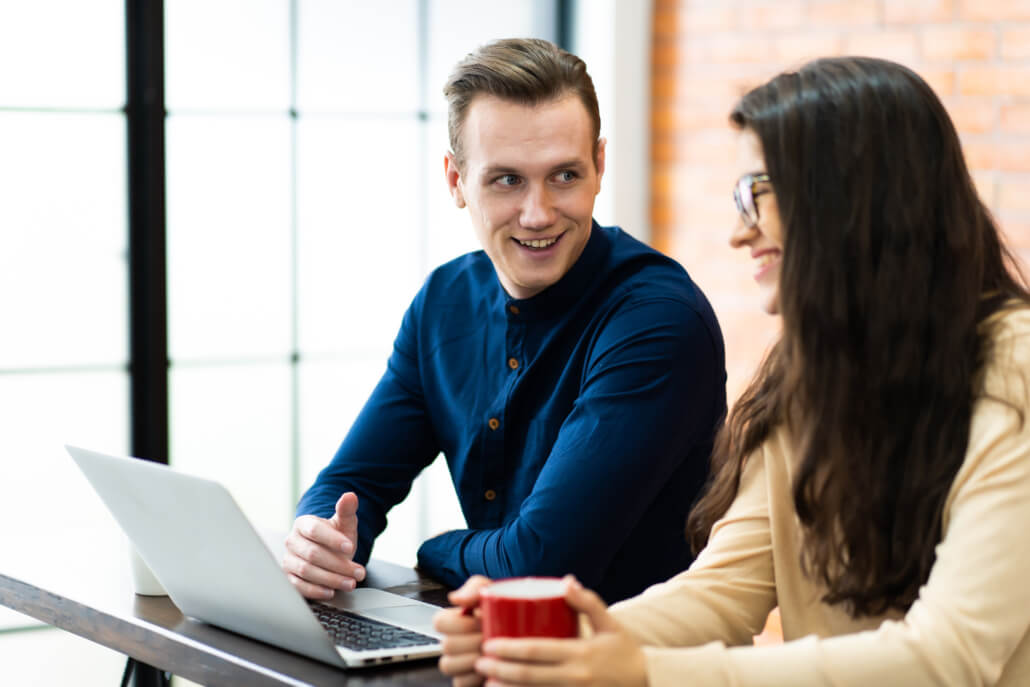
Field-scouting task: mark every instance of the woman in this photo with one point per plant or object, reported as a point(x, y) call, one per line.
point(874, 479)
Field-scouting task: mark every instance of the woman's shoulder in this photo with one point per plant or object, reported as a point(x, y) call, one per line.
point(1007, 358)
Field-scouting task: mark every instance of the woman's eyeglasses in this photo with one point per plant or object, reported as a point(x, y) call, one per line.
point(744, 195)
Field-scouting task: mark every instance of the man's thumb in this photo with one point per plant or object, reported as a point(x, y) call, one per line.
point(346, 507)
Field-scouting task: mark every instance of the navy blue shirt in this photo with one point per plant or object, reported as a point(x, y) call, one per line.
point(577, 424)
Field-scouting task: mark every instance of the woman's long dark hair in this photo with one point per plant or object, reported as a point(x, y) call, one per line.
point(890, 264)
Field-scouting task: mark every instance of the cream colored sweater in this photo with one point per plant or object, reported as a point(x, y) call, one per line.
point(968, 627)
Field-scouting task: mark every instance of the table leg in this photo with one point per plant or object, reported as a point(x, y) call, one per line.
point(142, 675)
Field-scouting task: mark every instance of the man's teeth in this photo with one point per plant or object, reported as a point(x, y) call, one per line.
point(537, 243)
point(767, 259)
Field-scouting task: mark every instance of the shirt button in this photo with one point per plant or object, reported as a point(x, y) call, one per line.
point(513, 309)
point(489, 494)
point(513, 364)
point(493, 423)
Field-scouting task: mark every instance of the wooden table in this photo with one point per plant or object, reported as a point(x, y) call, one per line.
point(84, 588)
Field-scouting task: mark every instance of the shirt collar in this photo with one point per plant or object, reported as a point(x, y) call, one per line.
point(559, 297)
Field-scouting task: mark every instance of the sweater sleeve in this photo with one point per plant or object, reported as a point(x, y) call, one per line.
point(728, 592)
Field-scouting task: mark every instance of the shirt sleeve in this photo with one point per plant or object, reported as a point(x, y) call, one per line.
point(728, 592)
point(653, 387)
point(389, 443)
point(969, 625)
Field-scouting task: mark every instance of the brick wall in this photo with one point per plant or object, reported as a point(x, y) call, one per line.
point(974, 53)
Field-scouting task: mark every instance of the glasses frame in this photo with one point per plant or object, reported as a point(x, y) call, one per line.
point(744, 195)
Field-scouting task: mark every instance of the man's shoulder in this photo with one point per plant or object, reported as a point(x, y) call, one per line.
point(638, 271)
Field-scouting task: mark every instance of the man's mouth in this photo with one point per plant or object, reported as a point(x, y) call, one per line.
point(539, 244)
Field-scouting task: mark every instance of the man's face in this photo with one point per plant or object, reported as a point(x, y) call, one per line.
point(529, 182)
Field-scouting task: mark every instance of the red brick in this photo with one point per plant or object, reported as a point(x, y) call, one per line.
point(1015, 43)
point(707, 18)
point(1015, 118)
point(689, 116)
point(942, 81)
point(972, 115)
point(844, 13)
point(957, 43)
point(980, 155)
point(770, 16)
point(796, 48)
point(1014, 156)
point(1014, 195)
point(896, 45)
point(986, 186)
point(1000, 80)
point(731, 47)
point(918, 11)
point(994, 10)
point(1016, 231)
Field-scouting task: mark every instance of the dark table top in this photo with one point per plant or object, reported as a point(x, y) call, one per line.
point(85, 588)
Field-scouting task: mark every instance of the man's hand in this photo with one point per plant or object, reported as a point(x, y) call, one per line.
point(319, 552)
point(462, 633)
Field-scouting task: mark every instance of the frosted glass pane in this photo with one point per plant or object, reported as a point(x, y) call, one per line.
point(62, 246)
point(360, 230)
point(229, 226)
point(357, 56)
point(227, 54)
point(62, 53)
point(450, 231)
point(42, 413)
point(331, 395)
point(457, 27)
point(232, 424)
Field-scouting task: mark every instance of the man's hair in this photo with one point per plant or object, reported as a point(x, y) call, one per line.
point(891, 267)
point(528, 71)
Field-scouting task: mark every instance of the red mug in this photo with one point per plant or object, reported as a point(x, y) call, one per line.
point(527, 607)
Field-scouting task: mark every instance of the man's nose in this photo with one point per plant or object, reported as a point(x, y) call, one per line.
point(538, 208)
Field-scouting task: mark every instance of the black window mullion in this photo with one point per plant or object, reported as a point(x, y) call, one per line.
point(148, 310)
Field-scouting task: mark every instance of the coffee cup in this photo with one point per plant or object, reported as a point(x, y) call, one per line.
point(143, 581)
point(527, 607)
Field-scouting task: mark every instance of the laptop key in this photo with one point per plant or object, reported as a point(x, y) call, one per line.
point(357, 632)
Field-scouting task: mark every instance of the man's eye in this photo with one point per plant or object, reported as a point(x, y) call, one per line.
point(507, 180)
point(565, 176)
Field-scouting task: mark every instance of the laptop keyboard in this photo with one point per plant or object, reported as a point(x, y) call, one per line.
point(356, 632)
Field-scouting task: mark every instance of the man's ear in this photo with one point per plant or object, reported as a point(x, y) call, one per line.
point(599, 161)
point(453, 174)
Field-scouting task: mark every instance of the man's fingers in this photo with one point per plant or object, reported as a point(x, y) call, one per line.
point(320, 531)
point(309, 590)
point(338, 578)
point(323, 557)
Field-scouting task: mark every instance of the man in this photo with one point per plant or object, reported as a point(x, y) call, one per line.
point(572, 376)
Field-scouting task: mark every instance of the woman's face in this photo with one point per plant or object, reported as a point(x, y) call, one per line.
point(758, 224)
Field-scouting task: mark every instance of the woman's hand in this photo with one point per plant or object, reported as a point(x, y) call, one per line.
point(462, 632)
point(610, 657)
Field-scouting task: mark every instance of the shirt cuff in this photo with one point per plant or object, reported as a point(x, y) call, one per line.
point(442, 557)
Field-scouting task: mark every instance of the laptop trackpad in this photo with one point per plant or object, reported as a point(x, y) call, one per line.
point(414, 616)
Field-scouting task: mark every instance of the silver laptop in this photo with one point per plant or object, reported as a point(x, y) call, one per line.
point(216, 568)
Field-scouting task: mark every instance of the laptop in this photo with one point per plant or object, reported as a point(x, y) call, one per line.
point(217, 569)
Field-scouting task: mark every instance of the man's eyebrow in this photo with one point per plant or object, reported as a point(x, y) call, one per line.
point(499, 170)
